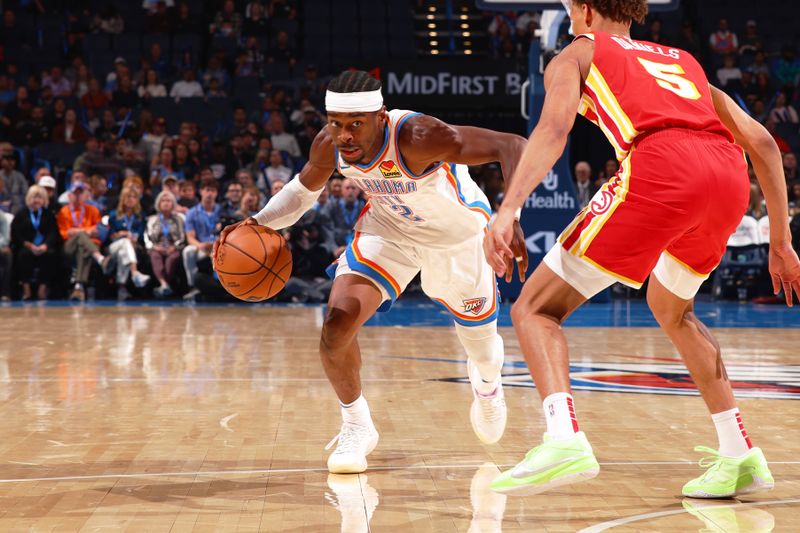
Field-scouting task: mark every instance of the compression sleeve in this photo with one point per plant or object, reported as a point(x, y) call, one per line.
point(286, 207)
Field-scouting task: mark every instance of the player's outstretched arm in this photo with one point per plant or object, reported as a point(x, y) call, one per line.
point(299, 195)
point(784, 265)
point(562, 81)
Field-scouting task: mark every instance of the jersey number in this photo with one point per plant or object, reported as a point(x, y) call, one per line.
point(406, 212)
point(669, 77)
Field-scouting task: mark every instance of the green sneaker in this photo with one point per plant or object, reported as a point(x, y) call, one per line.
point(552, 464)
point(730, 476)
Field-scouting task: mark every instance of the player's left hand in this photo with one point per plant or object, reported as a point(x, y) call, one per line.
point(496, 244)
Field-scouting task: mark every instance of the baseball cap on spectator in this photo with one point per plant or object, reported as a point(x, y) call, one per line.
point(120, 59)
point(309, 109)
point(47, 181)
point(167, 178)
point(77, 186)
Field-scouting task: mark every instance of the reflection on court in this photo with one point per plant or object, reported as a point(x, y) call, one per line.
point(214, 419)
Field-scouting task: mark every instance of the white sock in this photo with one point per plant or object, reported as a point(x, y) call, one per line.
point(357, 412)
point(733, 439)
point(559, 412)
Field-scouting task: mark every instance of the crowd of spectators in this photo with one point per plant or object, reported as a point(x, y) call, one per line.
point(137, 207)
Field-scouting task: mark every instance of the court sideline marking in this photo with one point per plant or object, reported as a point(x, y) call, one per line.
point(268, 471)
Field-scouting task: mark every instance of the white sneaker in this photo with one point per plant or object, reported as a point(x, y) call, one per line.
point(488, 412)
point(355, 499)
point(139, 279)
point(356, 441)
point(488, 507)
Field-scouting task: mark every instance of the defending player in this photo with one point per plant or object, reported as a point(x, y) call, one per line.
point(681, 190)
point(425, 215)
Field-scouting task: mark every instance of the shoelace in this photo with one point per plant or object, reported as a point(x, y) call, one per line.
point(350, 437)
point(713, 461)
point(492, 408)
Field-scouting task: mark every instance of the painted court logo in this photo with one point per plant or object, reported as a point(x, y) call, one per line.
point(389, 169)
point(778, 382)
point(474, 305)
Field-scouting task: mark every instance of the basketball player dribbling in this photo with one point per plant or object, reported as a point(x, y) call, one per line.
point(425, 215)
point(681, 190)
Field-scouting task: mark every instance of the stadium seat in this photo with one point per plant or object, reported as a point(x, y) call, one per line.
point(127, 43)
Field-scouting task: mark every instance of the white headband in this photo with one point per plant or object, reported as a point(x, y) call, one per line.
point(366, 101)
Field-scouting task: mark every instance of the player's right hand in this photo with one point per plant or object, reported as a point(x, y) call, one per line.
point(250, 221)
point(784, 268)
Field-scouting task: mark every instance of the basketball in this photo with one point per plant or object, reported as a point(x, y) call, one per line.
point(254, 263)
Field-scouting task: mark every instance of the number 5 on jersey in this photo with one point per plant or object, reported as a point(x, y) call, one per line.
point(669, 77)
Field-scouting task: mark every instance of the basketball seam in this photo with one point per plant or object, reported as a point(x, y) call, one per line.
point(263, 265)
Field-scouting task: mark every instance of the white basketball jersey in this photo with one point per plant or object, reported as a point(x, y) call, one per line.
point(437, 209)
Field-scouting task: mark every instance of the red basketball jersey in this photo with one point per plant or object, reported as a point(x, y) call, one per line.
point(636, 87)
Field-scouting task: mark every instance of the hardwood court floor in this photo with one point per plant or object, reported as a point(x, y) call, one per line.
point(215, 418)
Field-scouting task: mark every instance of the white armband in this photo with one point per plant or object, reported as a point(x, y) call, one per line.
point(286, 207)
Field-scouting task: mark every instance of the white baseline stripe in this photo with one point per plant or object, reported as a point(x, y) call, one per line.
point(302, 470)
point(636, 518)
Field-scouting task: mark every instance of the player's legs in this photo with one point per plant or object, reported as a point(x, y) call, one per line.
point(371, 272)
point(353, 300)
point(461, 281)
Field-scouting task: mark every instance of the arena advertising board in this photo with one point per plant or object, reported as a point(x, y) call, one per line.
point(467, 83)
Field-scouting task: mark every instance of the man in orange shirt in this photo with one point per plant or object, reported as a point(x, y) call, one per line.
point(77, 223)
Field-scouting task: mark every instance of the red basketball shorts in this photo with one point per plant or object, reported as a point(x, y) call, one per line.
point(676, 199)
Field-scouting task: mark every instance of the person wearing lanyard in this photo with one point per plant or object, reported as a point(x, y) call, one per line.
point(77, 223)
point(35, 240)
point(126, 226)
point(201, 229)
point(164, 238)
point(344, 212)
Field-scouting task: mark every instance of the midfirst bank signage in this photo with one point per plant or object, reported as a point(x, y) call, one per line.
point(452, 84)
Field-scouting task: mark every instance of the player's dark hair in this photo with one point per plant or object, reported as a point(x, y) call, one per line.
point(619, 10)
point(354, 81)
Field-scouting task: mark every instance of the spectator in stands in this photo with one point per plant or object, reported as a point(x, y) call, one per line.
point(655, 33)
point(201, 232)
point(183, 164)
point(783, 112)
point(188, 197)
point(56, 114)
point(158, 62)
point(787, 67)
point(95, 98)
point(17, 109)
point(7, 89)
point(77, 224)
point(153, 88)
point(125, 228)
point(609, 170)
point(151, 6)
point(60, 85)
point(70, 131)
point(258, 170)
point(583, 183)
point(34, 130)
point(759, 65)
point(101, 161)
point(233, 199)
point(108, 129)
point(227, 22)
point(216, 71)
point(185, 23)
point(276, 187)
point(125, 95)
point(249, 205)
point(276, 169)
point(344, 212)
point(282, 140)
point(5, 200)
point(120, 69)
point(14, 182)
point(6, 256)
point(729, 71)
point(310, 258)
point(35, 242)
point(723, 41)
point(750, 42)
point(108, 20)
point(162, 167)
point(48, 183)
point(187, 87)
point(215, 90)
point(790, 167)
point(283, 51)
point(97, 187)
point(153, 139)
point(159, 20)
point(255, 23)
point(164, 238)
